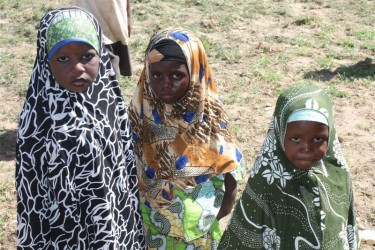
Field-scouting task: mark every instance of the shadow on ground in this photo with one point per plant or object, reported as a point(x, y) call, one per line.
point(8, 145)
point(362, 69)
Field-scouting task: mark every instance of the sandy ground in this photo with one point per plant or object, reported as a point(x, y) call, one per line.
point(248, 96)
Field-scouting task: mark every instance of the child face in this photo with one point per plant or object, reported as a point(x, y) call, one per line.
point(75, 66)
point(306, 143)
point(169, 80)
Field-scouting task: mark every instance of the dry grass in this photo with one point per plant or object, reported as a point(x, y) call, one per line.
point(256, 49)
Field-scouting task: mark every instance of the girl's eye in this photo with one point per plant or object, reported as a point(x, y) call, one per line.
point(177, 75)
point(63, 59)
point(87, 57)
point(295, 139)
point(320, 139)
point(156, 75)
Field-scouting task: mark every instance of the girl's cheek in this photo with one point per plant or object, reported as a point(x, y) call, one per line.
point(323, 151)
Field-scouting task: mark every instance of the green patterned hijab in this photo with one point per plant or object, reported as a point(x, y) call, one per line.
point(284, 207)
point(71, 26)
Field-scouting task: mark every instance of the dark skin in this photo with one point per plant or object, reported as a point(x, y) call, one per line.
point(229, 196)
point(75, 66)
point(170, 80)
point(306, 143)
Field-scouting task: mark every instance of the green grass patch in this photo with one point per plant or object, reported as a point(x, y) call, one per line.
point(366, 34)
point(335, 91)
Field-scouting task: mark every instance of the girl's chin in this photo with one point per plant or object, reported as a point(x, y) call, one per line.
point(168, 99)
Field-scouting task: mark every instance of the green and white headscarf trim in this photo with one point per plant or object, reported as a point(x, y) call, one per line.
point(68, 27)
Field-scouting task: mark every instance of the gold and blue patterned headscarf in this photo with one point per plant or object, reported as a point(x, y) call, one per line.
point(191, 137)
point(183, 150)
point(71, 26)
point(195, 128)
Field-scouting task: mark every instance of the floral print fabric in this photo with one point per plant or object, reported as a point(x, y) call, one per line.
point(283, 207)
point(183, 150)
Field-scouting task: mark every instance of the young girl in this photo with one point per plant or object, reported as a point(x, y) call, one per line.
point(75, 174)
point(299, 193)
point(184, 150)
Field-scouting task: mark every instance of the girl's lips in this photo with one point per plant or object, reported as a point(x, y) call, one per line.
point(167, 98)
point(79, 82)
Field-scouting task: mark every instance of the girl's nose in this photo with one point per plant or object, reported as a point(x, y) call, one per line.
point(167, 83)
point(307, 147)
point(78, 67)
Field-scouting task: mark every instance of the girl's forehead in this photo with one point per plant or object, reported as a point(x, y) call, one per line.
point(172, 65)
point(305, 126)
point(71, 25)
point(309, 114)
point(74, 48)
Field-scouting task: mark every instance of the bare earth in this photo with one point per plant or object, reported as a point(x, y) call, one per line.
point(248, 95)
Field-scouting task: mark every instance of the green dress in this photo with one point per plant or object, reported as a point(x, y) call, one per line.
point(283, 207)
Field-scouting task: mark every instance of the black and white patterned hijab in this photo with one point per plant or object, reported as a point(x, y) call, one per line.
point(75, 174)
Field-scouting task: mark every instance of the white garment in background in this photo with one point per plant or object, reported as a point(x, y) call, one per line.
point(112, 17)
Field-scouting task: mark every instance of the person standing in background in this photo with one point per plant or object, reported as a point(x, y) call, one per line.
point(114, 17)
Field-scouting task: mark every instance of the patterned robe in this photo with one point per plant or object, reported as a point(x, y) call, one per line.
point(284, 207)
point(75, 174)
point(183, 150)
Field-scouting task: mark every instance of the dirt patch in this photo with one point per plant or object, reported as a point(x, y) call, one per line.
point(256, 49)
